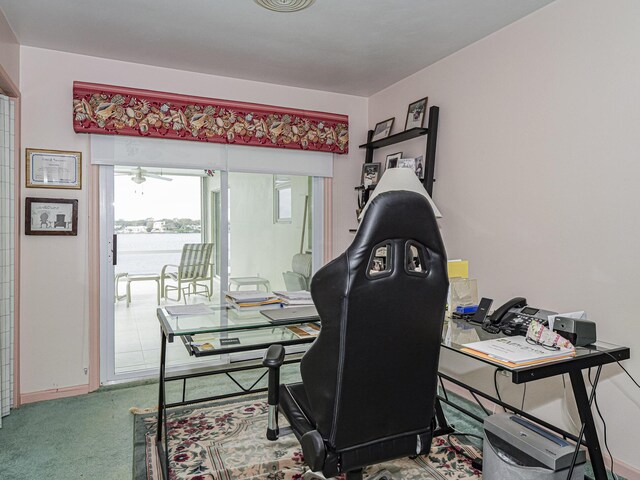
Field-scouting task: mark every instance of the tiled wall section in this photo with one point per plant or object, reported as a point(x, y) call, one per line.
point(7, 113)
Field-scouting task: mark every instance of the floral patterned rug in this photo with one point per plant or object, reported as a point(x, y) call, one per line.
point(224, 441)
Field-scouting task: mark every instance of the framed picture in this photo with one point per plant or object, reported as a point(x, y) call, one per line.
point(53, 169)
point(415, 114)
point(382, 130)
point(420, 167)
point(370, 174)
point(392, 160)
point(51, 216)
point(407, 163)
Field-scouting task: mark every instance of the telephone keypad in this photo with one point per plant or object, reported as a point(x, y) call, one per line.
point(519, 324)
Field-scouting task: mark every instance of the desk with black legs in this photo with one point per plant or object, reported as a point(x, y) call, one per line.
point(253, 332)
point(458, 332)
point(228, 332)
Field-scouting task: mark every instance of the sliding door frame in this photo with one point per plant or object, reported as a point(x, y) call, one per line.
point(103, 347)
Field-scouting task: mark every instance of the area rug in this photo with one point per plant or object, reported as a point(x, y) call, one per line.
point(224, 441)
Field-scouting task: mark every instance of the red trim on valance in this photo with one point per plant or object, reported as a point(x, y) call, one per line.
point(112, 110)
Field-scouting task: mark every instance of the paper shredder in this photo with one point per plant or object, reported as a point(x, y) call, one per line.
point(517, 449)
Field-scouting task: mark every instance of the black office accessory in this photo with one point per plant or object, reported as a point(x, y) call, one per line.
point(579, 332)
point(514, 317)
point(362, 400)
point(482, 311)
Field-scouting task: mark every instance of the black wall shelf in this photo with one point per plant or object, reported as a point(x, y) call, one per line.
point(397, 138)
point(430, 153)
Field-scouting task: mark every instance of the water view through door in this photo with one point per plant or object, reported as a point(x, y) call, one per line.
point(156, 213)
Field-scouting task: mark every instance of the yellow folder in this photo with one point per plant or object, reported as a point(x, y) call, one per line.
point(458, 268)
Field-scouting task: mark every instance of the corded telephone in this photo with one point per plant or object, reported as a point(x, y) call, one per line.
point(514, 317)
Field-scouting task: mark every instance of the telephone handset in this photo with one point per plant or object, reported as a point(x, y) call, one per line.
point(514, 317)
point(499, 315)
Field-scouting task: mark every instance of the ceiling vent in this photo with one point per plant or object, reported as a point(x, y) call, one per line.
point(285, 5)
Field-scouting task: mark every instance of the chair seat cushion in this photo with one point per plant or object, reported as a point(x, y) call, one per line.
point(295, 406)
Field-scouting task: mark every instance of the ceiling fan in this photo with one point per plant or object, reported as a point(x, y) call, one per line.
point(139, 175)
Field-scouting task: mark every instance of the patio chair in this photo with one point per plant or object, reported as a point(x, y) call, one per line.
point(194, 275)
point(299, 278)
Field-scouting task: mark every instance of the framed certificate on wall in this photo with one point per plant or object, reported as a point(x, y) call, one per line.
point(53, 169)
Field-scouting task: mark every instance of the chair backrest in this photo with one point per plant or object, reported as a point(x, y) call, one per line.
point(195, 259)
point(372, 372)
point(299, 277)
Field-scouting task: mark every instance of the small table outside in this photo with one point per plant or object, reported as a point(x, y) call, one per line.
point(244, 281)
point(136, 277)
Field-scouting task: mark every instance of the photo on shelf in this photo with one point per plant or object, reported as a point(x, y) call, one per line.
point(392, 160)
point(370, 174)
point(382, 130)
point(407, 163)
point(415, 114)
point(420, 167)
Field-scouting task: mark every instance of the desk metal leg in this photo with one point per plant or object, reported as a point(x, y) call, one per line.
point(442, 426)
point(161, 434)
point(591, 435)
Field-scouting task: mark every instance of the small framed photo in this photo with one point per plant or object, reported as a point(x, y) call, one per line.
point(392, 160)
point(382, 130)
point(51, 216)
point(420, 167)
point(415, 114)
point(407, 163)
point(53, 169)
point(370, 174)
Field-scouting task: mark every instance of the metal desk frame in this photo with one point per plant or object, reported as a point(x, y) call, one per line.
point(587, 357)
point(168, 335)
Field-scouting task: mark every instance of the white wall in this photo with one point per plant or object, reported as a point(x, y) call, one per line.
point(537, 179)
point(258, 245)
point(9, 53)
point(54, 318)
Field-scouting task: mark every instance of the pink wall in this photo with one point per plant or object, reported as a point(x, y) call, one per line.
point(55, 296)
point(9, 54)
point(537, 180)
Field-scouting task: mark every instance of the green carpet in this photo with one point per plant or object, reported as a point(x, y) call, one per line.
point(90, 436)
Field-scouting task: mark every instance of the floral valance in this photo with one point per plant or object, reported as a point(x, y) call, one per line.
point(114, 110)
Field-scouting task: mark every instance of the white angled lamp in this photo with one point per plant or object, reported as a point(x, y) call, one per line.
point(400, 179)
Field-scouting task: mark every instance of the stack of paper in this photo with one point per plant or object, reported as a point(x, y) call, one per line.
point(252, 300)
point(516, 351)
point(301, 297)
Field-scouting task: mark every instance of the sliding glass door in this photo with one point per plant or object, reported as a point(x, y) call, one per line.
point(264, 230)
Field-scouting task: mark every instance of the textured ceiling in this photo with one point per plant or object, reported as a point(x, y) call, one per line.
point(350, 46)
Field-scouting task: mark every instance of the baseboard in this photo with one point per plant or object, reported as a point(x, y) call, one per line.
point(622, 469)
point(54, 393)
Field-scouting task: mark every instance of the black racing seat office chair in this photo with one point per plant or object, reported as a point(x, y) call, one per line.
point(369, 380)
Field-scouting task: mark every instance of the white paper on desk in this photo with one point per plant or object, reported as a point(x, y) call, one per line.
point(197, 309)
point(581, 315)
point(516, 350)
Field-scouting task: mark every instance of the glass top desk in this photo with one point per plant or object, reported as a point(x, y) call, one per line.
point(458, 332)
point(250, 331)
point(226, 331)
